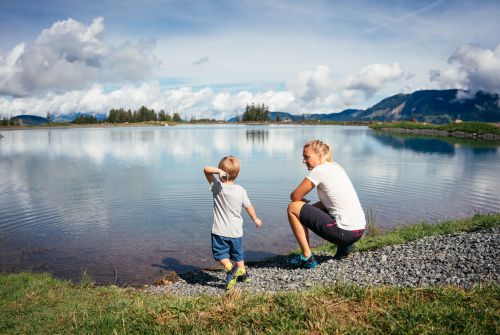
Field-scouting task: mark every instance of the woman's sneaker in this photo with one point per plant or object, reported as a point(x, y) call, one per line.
point(300, 261)
point(343, 251)
point(232, 276)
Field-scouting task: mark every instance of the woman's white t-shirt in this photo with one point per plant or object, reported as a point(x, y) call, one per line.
point(337, 194)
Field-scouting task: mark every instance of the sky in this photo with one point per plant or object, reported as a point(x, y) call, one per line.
point(209, 59)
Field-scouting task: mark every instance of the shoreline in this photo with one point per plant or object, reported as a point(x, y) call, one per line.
point(371, 242)
point(461, 259)
point(97, 125)
point(465, 130)
point(442, 133)
point(449, 283)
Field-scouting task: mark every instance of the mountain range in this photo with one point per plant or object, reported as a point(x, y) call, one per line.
point(433, 106)
point(33, 120)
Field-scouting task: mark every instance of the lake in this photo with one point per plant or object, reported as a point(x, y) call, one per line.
point(131, 203)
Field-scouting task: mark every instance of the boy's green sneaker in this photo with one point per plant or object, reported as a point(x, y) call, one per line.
point(232, 276)
point(244, 278)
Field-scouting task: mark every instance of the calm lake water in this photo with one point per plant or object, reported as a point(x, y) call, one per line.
point(133, 203)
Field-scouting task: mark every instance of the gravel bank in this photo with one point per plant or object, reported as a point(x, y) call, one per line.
point(461, 259)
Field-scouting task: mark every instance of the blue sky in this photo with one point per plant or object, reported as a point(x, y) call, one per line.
point(210, 58)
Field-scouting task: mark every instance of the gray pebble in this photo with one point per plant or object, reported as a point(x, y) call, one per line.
point(462, 259)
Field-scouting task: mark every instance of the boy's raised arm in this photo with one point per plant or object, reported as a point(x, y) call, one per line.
point(210, 171)
point(251, 211)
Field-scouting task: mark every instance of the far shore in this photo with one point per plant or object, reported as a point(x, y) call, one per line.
point(69, 125)
point(480, 131)
point(465, 130)
point(440, 133)
point(92, 125)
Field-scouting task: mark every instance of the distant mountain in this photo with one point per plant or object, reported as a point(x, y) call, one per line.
point(33, 120)
point(283, 116)
point(30, 120)
point(72, 116)
point(434, 106)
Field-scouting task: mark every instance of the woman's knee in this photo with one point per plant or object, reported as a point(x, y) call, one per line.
point(294, 207)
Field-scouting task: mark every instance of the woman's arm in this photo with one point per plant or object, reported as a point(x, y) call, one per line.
point(304, 187)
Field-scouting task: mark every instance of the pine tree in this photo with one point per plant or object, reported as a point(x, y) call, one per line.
point(176, 117)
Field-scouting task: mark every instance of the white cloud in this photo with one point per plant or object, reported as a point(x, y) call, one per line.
point(475, 69)
point(70, 55)
point(313, 91)
point(481, 65)
point(450, 78)
point(309, 85)
point(8, 70)
point(372, 78)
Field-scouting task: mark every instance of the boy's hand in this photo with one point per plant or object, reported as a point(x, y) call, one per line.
point(223, 176)
point(258, 222)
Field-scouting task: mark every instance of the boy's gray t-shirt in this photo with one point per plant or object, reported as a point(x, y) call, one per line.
point(228, 201)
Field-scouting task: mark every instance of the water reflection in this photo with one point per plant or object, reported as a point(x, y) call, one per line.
point(135, 199)
point(145, 146)
point(427, 144)
point(257, 135)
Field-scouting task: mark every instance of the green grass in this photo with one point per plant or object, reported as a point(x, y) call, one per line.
point(416, 231)
point(40, 304)
point(466, 127)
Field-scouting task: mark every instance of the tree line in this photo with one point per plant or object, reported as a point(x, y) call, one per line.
point(5, 122)
point(254, 112)
point(142, 114)
point(115, 116)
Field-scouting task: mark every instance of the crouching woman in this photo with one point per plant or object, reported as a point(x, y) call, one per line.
point(338, 217)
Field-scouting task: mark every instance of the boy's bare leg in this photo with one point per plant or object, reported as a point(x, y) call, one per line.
point(226, 263)
point(241, 264)
point(300, 232)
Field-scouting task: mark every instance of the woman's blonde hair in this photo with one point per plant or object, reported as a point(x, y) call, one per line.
point(321, 148)
point(231, 166)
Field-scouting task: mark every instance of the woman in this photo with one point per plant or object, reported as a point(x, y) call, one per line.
point(337, 217)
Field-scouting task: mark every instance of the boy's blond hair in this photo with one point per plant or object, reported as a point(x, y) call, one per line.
point(230, 165)
point(320, 147)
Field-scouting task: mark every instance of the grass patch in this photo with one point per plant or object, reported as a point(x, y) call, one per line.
point(416, 231)
point(466, 127)
point(35, 303)
point(372, 229)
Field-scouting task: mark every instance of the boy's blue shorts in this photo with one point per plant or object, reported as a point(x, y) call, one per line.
point(227, 247)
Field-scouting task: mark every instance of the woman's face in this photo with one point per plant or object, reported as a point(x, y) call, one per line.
point(311, 159)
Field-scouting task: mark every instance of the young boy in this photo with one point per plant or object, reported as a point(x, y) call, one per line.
point(227, 229)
